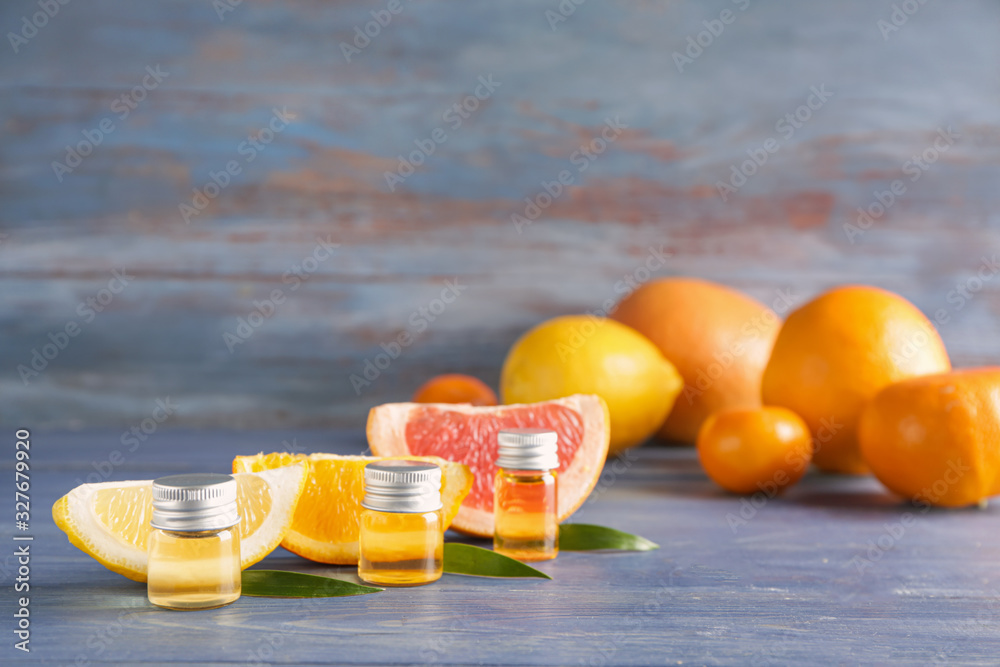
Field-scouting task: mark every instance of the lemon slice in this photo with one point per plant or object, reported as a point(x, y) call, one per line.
point(109, 521)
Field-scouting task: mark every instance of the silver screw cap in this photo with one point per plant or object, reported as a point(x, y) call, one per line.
point(528, 449)
point(411, 487)
point(194, 502)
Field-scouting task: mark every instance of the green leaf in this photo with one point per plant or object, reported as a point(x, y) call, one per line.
point(478, 562)
point(588, 537)
point(281, 584)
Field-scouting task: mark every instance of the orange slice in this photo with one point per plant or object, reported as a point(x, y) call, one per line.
point(325, 525)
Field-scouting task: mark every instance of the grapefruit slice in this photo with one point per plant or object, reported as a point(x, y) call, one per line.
point(325, 525)
point(468, 434)
point(109, 521)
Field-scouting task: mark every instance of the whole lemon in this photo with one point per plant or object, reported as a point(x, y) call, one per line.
point(584, 354)
point(836, 352)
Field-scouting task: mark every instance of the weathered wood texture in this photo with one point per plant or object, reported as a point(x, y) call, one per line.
point(781, 588)
point(323, 176)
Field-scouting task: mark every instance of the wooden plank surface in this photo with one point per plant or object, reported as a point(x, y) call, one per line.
point(324, 177)
point(781, 588)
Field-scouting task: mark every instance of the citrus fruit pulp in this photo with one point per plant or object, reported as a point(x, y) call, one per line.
point(109, 521)
point(325, 525)
point(468, 434)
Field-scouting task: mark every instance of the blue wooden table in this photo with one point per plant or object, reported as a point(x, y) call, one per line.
point(322, 179)
point(833, 572)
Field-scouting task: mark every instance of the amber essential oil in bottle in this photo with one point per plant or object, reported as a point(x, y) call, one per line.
point(194, 547)
point(401, 538)
point(525, 495)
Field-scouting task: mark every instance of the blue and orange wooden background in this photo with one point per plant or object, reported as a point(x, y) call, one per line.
point(684, 124)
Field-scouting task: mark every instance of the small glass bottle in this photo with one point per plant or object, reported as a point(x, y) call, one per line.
point(401, 539)
point(525, 514)
point(194, 547)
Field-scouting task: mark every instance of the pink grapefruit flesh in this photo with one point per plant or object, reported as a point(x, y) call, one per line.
point(468, 434)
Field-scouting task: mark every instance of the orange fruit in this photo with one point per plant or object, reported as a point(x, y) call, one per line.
point(109, 521)
point(324, 527)
point(468, 435)
point(455, 388)
point(746, 450)
point(936, 439)
point(584, 354)
point(836, 352)
point(718, 338)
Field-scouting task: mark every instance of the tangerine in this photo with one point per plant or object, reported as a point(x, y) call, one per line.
point(455, 388)
point(746, 450)
point(936, 439)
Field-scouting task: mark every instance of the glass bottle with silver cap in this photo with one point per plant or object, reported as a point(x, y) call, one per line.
point(525, 494)
point(401, 538)
point(194, 547)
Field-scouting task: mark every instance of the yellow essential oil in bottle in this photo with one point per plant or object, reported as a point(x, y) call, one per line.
point(525, 514)
point(401, 539)
point(194, 547)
